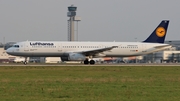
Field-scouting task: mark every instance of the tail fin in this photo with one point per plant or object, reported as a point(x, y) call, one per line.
point(159, 34)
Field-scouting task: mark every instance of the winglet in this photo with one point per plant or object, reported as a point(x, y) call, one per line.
point(159, 34)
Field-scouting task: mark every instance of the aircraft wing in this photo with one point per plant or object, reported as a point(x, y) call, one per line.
point(162, 46)
point(96, 51)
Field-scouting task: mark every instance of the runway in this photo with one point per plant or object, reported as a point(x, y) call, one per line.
point(77, 64)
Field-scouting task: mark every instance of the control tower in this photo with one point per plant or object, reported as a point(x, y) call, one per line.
point(72, 14)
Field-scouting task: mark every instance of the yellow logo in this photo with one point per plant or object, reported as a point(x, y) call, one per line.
point(160, 31)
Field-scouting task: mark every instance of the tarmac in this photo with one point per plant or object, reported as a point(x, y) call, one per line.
point(78, 64)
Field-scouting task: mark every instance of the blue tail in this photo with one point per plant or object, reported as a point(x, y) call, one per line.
point(159, 34)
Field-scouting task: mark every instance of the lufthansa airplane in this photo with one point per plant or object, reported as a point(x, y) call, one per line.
point(86, 51)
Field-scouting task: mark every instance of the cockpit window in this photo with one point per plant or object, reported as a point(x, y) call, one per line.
point(17, 46)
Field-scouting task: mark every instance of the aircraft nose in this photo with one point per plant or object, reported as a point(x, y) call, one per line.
point(9, 51)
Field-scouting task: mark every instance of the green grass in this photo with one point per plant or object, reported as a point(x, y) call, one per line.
point(90, 83)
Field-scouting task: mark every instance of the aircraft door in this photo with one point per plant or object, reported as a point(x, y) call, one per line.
point(101, 46)
point(59, 47)
point(26, 47)
point(144, 48)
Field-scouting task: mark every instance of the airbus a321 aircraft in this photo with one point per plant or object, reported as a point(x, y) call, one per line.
point(86, 51)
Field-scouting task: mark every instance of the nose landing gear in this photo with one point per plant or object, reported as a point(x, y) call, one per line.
point(25, 61)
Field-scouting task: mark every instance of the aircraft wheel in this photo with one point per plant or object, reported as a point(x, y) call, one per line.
point(92, 62)
point(86, 62)
point(25, 63)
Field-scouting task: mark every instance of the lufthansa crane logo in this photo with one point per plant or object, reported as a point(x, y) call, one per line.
point(160, 31)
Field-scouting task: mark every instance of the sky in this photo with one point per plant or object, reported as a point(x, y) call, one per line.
point(101, 20)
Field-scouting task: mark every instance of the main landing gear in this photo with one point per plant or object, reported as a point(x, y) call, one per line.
point(92, 62)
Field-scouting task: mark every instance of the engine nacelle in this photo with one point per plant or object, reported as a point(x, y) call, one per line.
point(76, 57)
point(64, 58)
point(73, 57)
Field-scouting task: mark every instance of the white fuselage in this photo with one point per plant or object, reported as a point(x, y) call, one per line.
point(58, 49)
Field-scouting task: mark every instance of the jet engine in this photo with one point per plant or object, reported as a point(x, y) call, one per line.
point(73, 57)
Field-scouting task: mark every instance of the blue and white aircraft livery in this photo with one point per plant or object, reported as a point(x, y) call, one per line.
point(86, 51)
